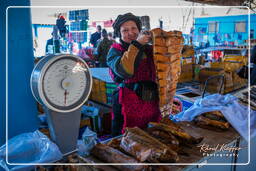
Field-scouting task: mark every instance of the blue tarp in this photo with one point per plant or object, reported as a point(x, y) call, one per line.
point(235, 113)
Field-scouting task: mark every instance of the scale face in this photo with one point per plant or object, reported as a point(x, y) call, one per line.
point(61, 83)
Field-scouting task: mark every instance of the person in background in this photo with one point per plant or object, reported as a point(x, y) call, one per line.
point(95, 37)
point(60, 23)
point(110, 37)
point(49, 45)
point(103, 46)
point(135, 102)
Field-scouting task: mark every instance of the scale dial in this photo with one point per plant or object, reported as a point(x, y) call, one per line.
point(62, 83)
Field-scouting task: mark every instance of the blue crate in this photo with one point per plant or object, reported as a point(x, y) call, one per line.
point(185, 104)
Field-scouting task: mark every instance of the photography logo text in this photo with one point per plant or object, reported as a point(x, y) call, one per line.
point(219, 150)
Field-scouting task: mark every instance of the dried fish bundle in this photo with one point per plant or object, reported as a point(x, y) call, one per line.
point(115, 143)
point(164, 137)
point(244, 97)
point(176, 131)
point(111, 155)
point(215, 115)
point(207, 123)
point(212, 120)
point(167, 48)
point(144, 147)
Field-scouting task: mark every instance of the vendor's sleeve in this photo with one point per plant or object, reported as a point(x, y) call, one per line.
point(124, 65)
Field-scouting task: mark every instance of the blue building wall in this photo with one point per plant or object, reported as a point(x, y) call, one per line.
point(226, 34)
point(22, 111)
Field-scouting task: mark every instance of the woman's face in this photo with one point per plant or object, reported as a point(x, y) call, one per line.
point(129, 31)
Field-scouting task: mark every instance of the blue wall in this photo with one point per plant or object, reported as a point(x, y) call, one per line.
point(226, 31)
point(22, 112)
point(2, 75)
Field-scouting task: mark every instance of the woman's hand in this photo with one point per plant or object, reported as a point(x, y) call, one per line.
point(144, 37)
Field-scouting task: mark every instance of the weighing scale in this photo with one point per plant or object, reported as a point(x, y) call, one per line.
point(62, 84)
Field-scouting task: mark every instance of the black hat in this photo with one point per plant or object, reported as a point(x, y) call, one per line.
point(104, 33)
point(122, 19)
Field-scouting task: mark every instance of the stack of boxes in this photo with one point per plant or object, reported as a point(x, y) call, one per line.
point(98, 92)
point(103, 86)
point(78, 25)
point(102, 91)
point(231, 80)
point(187, 62)
point(231, 68)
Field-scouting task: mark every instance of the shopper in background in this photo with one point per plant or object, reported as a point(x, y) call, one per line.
point(135, 102)
point(60, 23)
point(95, 37)
point(110, 37)
point(49, 45)
point(103, 46)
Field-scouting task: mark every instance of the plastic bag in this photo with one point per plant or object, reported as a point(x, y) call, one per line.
point(236, 114)
point(28, 148)
point(81, 148)
point(89, 139)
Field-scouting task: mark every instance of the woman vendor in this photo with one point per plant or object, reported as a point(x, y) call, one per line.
point(135, 102)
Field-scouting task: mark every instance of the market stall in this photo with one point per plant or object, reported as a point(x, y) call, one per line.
point(174, 90)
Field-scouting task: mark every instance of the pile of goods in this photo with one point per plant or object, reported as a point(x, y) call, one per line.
point(160, 143)
point(167, 48)
point(228, 68)
point(102, 91)
point(212, 120)
point(245, 96)
point(187, 64)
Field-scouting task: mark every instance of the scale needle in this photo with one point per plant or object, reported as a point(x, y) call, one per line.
point(65, 97)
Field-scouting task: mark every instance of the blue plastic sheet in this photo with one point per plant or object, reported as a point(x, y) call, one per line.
point(235, 113)
point(29, 148)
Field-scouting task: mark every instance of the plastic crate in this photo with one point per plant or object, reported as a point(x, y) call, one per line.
point(102, 91)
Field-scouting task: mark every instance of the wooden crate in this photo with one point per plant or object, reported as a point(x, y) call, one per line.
point(102, 91)
point(186, 73)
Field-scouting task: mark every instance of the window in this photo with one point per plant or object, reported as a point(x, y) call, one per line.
point(213, 27)
point(201, 30)
point(240, 26)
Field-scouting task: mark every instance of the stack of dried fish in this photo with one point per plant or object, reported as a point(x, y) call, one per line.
point(160, 143)
point(144, 147)
point(167, 48)
point(212, 120)
point(245, 97)
point(135, 146)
